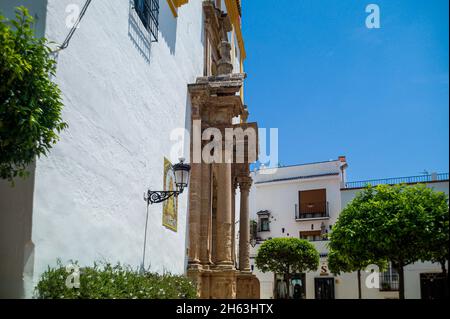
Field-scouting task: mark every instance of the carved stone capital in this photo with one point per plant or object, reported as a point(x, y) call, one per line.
point(245, 183)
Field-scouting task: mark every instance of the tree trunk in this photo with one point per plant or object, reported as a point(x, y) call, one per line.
point(359, 284)
point(287, 286)
point(444, 270)
point(445, 275)
point(401, 281)
point(275, 288)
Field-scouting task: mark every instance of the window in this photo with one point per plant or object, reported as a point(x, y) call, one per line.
point(148, 12)
point(389, 280)
point(264, 224)
point(312, 204)
point(263, 220)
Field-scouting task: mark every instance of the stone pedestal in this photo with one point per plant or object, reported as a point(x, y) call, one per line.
point(223, 284)
point(248, 286)
point(215, 283)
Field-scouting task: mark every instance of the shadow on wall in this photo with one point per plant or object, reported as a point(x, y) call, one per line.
point(140, 37)
point(168, 26)
point(16, 247)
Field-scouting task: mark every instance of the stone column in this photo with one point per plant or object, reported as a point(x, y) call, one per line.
point(233, 218)
point(194, 214)
point(244, 224)
point(205, 217)
point(224, 216)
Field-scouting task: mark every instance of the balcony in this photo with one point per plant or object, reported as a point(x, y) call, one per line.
point(312, 211)
point(429, 178)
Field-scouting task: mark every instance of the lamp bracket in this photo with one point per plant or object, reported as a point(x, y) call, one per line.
point(155, 197)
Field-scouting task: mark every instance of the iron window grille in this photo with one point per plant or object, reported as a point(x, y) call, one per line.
point(148, 12)
point(389, 280)
point(264, 224)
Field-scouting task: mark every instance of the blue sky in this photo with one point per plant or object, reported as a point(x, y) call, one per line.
point(333, 87)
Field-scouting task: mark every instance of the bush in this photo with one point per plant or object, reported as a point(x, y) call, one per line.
point(113, 282)
point(30, 103)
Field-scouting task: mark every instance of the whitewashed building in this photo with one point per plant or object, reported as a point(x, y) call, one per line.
point(304, 201)
point(124, 78)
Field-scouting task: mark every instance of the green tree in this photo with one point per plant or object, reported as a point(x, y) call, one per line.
point(436, 248)
point(287, 256)
point(339, 263)
point(30, 103)
point(395, 223)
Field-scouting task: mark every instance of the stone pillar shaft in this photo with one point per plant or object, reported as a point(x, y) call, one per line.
point(205, 216)
point(224, 216)
point(233, 230)
point(194, 213)
point(244, 225)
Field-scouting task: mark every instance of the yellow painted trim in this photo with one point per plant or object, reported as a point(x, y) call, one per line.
point(173, 8)
point(175, 4)
point(233, 12)
point(242, 87)
point(179, 3)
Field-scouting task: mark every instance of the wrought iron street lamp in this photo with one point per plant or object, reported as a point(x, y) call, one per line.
point(181, 176)
point(181, 173)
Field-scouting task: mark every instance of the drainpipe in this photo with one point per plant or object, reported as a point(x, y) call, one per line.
point(65, 44)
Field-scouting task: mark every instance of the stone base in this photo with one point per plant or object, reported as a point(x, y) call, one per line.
point(216, 283)
point(247, 286)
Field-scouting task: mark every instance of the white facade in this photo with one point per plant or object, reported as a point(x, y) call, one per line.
point(123, 98)
point(275, 193)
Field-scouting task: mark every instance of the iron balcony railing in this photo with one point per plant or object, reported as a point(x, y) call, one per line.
point(148, 12)
point(399, 180)
point(312, 210)
point(315, 239)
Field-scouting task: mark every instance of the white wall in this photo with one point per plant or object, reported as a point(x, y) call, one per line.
point(122, 96)
point(280, 199)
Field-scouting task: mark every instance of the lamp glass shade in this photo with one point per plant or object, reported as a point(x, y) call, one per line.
point(181, 171)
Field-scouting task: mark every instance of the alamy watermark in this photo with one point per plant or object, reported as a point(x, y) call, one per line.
point(373, 20)
point(73, 14)
point(226, 145)
point(73, 279)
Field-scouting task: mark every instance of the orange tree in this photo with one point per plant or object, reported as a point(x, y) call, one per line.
point(402, 224)
point(339, 263)
point(30, 103)
point(287, 256)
